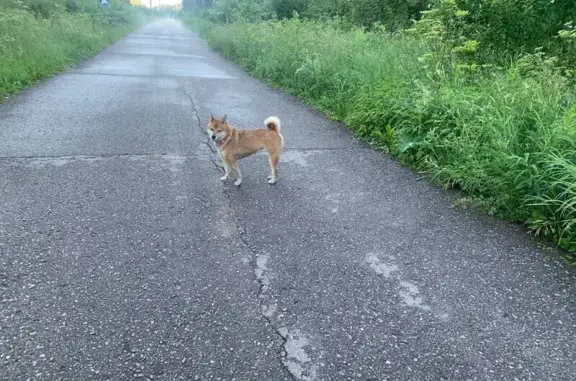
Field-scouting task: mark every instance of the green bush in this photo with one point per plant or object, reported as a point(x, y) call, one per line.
point(506, 137)
point(38, 38)
point(517, 26)
point(501, 29)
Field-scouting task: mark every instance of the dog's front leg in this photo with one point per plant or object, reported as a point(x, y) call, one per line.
point(238, 174)
point(226, 171)
point(225, 165)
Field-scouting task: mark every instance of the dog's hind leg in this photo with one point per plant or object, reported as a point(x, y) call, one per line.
point(273, 159)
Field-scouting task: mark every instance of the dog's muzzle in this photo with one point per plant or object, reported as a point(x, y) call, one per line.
point(213, 137)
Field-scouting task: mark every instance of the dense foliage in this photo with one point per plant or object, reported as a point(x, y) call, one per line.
point(41, 37)
point(477, 94)
point(501, 27)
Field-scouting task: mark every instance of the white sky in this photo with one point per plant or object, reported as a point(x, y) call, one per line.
point(155, 3)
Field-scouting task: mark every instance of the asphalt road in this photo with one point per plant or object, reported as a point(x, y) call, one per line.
point(123, 256)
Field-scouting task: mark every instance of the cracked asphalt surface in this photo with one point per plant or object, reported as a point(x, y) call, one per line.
point(123, 256)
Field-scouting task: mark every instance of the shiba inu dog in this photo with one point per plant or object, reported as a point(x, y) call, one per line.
point(233, 145)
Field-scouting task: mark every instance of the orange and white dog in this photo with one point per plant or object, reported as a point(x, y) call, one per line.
point(233, 145)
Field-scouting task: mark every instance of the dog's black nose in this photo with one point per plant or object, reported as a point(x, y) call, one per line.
point(213, 137)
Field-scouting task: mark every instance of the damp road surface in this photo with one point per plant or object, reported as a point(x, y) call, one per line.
point(124, 257)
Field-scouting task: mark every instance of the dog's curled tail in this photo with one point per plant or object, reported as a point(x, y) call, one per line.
point(272, 123)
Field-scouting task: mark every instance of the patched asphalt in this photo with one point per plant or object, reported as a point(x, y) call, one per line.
point(123, 256)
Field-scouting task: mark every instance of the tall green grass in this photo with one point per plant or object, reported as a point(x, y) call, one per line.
point(505, 137)
point(34, 47)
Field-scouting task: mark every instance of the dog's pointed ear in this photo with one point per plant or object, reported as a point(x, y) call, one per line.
point(224, 118)
point(211, 117)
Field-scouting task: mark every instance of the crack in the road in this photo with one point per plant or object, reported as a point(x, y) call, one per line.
point(96, 157)
point(198, 120)
point(292, 357)
point(242, 237)
point(288, 361)
point(144, 155)
point(262, 307)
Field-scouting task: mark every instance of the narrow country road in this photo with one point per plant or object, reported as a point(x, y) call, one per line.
point(124, 257)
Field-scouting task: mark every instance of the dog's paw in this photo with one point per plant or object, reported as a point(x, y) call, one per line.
point(223, 178)
point(238, 182)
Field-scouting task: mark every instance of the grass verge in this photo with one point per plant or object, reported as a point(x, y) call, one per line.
point(505, 137)
point(34, 47)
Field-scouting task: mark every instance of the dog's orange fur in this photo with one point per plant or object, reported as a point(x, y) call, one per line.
point(233, 144)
